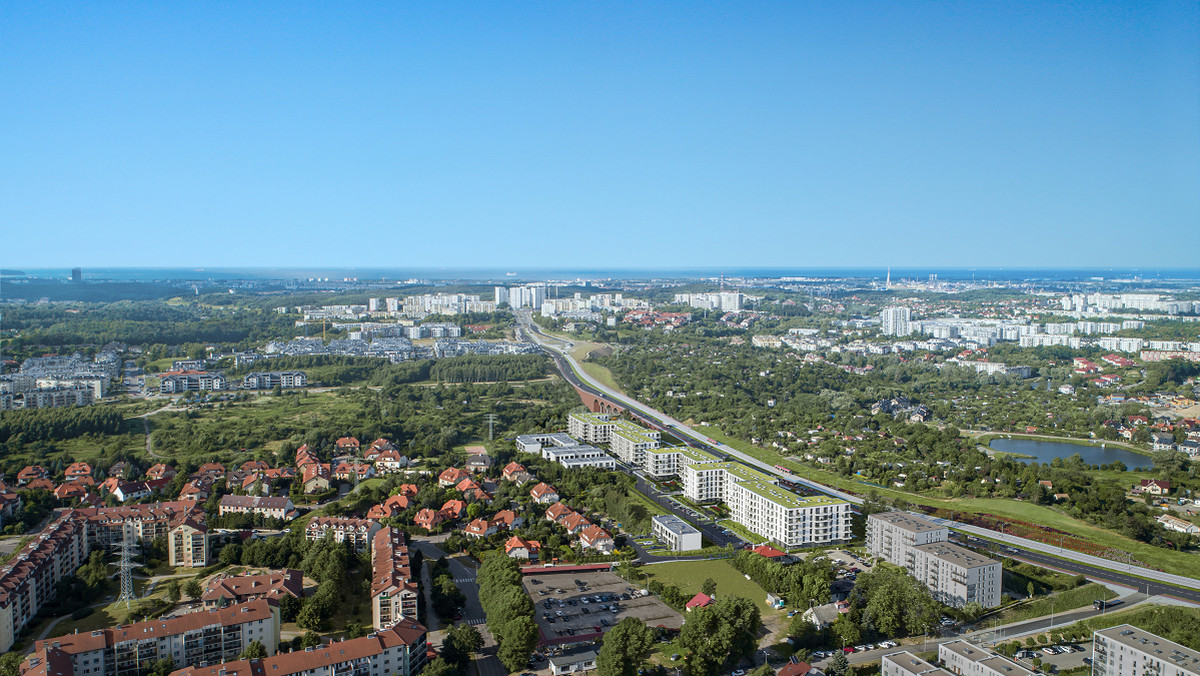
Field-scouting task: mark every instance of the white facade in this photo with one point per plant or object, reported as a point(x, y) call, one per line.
point(1126, 650)
point(965, 659)
point(776, 513)
point(897, 321)
point(954, 575)
point(675, 533)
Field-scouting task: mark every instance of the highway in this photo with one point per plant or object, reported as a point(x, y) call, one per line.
point(1167, 584)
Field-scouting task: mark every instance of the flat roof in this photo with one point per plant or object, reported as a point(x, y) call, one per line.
point(785, 498)
point(964, 649)
point(637, 436)
point(697, 455)
point(906, 521)
point(1002, 665)
point(674, 524)
point(909, 662)
point(1154, 646)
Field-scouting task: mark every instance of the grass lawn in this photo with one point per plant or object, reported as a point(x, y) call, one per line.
point(1157, 557)
point(743, 532)
point(689, 576)
point(1079, 597)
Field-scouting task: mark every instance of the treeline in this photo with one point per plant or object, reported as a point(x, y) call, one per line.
point(54, 424)
point(509, 611)
point(142, 323)
point(798, 582)
point(490, 368)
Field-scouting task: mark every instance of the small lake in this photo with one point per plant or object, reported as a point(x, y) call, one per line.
point(1093, 454)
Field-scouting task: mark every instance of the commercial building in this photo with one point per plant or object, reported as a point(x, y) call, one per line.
point(393, 590)
point(964, 659)
point(1126, 650)
point(203, 637)
point(675, 533)
point(756, 502)
point(565, 450)
point(954, 575)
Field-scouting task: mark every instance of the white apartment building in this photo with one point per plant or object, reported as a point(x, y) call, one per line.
point(598, 428)
point(1118, 344)
point(664, 462)
point(1125, 650)
point(358, 532)
point(630, 445)
point(964, 659)
point(675, 533)
point(896, 321)
point(565, 450)
point(757, 503)
point(904, 663)
point(954, 575)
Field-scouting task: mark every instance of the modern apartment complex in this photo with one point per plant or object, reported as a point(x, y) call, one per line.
point(756, 502)
point(565, 450)
point(597, 428)
point(954, 575)
point(964, 659)
point(904, 663)
point(393, 591)
point(182, 522)
point(630, 443)
point(399, 651)
point(1126, 650)
point(202, 637)
point(675, 533)
point(896, 321)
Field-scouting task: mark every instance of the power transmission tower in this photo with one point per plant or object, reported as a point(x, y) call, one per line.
point(126, 567)
point(491, 421)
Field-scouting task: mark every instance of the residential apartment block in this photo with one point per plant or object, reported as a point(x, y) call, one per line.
point(182, 522)
point(28, 579)
point(267, 507)
point(954, 575)
point(756, 502)
point(904, 663)
point(630, 443)
point(1126, 650)
point(597, 428)
point(358, 532)
point(202, 637)
point(393, 590)
point(399, 651)
point(565, 450)
point(267, 380)
point(964, 659)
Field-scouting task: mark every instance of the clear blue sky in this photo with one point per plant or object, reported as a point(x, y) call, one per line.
point(599, 134)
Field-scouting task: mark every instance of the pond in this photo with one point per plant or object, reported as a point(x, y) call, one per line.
point(1093, 454)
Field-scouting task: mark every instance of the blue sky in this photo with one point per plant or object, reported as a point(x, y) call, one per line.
point(599, 134)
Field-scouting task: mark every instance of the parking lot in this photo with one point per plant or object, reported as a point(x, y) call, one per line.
point(569, 613)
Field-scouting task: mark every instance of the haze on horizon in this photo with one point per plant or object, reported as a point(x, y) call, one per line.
point(615, 135)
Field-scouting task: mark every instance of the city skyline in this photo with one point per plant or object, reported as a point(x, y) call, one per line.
point(624, 136)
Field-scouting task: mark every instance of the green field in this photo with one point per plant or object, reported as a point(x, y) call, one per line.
point(1157, 557)
point(689, 576)
point(1080, 597)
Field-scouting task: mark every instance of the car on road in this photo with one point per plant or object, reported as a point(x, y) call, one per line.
point(604, 622)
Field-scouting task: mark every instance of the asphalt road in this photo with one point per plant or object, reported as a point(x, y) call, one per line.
point(1187, 589)
point(1148, 587)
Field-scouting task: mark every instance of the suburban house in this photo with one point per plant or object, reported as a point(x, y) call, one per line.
point(316, 477)
point(595, 537)
point(452, 476)
point(519, 548)
point(1156, 486)
point(480, 528)
point(428, 519)
point(544, 494)
point(347, 445)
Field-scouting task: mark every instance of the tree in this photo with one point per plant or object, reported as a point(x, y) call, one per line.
point(192, 589)
point(625, 647)
point(173, 591)
point(230, 554)
point(837, 665)
point(255, 651)
point(1029, 589)
point(718, 633)
point(310, 639)
point(461, 642)
point(10, 663)
point(162, 667)
point(439, 667)
point(520, 637)
point(846, 630)
point(709, 587)
point(310, 617)
point(289, 608)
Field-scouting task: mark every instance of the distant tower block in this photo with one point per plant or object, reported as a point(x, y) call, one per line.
point(76, 275)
